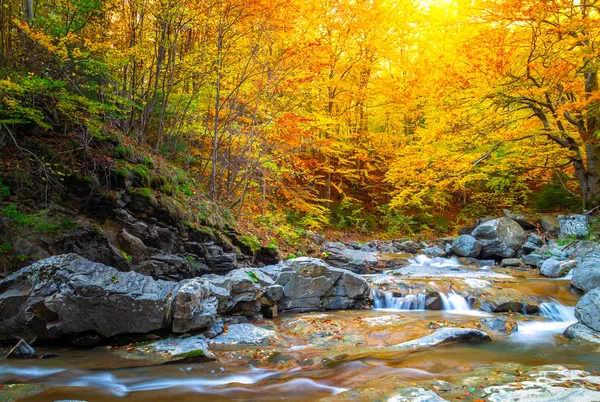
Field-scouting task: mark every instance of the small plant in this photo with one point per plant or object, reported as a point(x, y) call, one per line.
point(273, 246)
point(114, 278)
point(4, 191)
point(127, 256)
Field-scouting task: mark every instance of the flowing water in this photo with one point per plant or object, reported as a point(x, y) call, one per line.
point(292, 368)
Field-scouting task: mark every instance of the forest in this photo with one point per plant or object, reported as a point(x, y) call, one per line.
point(365, 116)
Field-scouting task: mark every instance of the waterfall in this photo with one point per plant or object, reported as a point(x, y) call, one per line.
point(454, 302)
point(387, 300)
point(554, 311)
point(425, 261)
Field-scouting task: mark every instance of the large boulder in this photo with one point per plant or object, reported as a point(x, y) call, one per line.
point(341, 256)
point(586, 275)
point(501, 237)
point(573, 226)
point(466, 246)
point(194, 306)
point(520, 219)
point(587, 310)
point(534, 241)
point(555, 267)
point(67, 294)
point(310, 284)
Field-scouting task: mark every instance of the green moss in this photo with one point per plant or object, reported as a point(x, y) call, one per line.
point(38, 221)
point(124, 152)
point(167, 189)
point(4, 191)
point(193, 354)
point(251, 242)
point(145, 192)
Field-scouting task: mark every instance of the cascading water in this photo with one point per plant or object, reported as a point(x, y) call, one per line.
point(454, 302)
point(558, 318)
point(387, 301)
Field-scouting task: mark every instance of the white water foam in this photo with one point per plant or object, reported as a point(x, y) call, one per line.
point(558, 316)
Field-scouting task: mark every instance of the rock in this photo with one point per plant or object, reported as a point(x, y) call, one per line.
point(310, 284)
point(446, 335)
point(339, 256)
point(583, 250)
point(555, 267)
point(409, 246)
point(194, 306)
point(414, 394)
point(502, 300)
point(501, 237)
point(520, 219)
point(535, 260)
point(434, 251)
point(586, 275)
point(587, 310)
point(193, 349)
point(86, 341)
point(245, 334)
point(217, 259)
point(582, 333)
point(573, 226)
point(67, 294)
point(217, 329)
point(549, 224)
point(505, 325)
point(22, 350)
point(511, 262)
point(545, 394)
point(132, 245)
point(466, 246)
point(534, 241)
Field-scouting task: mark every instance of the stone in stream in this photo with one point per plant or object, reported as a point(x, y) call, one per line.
point(67, 294)
point(573, 226)
point(582, 333)
point(511, 262)
point(501, 237)
point(587, 310)
point(22, 350)
point(586, 275)
point(505, 325)
point(434, 251)
point(466, 246)
point(245, 334)
point(555, 267)
point(414, 394)
point(193, 349)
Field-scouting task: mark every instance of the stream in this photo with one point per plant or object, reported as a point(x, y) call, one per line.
point(291, 367)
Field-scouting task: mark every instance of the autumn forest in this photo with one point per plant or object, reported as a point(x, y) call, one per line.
point(358, 115)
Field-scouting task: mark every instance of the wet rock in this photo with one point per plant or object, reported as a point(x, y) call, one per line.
point(534, 241)
point(520, 219)
point(216, 329)
point(67, 294)
point(502, 300)
point(340, 256)
point(501, 237)
point(549, 224)
point(22, 350)
point(434, 251)
point(193, 349)
point(555, 267)
point(511, 262)
point(587, 310)
point(245, 334)
point(194, 306)
point(586, 275)
point(413, 394)
point(446, 335)
point(534, 260)
point(466, 246)
point(573, 226)
point(582, 333)
point(505, 325)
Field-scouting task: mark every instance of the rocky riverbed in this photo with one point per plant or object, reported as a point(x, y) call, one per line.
point(466, 318)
